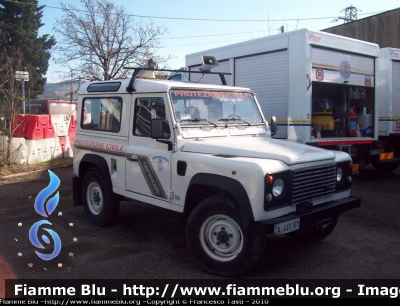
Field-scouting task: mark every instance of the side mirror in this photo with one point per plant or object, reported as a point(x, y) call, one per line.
point(274, 126)
point(156, 128)
point(157, 132)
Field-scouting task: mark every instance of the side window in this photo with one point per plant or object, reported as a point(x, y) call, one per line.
point(147, 109)
point(103, 114)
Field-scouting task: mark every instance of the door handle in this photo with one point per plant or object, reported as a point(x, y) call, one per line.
point(132, 158)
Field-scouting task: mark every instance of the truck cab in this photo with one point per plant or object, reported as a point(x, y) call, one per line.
point(205, 152)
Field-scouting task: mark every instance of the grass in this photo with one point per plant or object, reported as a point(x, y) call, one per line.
point(19, 168)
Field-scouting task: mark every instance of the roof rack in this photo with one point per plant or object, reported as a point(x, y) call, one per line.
point(147, 71)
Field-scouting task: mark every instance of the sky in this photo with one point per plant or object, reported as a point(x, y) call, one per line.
point(194, 26)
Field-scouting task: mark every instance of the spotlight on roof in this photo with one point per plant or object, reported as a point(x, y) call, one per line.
point(147, 71)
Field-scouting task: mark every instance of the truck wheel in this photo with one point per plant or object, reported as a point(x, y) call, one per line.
point(389, 167)
point(221, 241)
point(317, 235)
point(101, 205)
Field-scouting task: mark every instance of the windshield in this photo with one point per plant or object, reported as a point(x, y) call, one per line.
point(215, 107)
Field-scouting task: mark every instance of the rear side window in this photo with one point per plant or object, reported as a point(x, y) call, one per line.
point(104, 87)
point(102, 114)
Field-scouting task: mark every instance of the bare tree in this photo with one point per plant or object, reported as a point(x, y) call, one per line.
point(10, 97)
point(100, 39)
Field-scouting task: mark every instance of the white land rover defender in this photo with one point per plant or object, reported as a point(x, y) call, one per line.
point(205, 152)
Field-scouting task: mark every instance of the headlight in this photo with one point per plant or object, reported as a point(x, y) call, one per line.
point(339, 174)
point(343, 176)
point(278, 187)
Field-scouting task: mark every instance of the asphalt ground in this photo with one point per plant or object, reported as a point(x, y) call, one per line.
point(141, 245)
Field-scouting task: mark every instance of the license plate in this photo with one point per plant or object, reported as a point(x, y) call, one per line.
point(287, 226)
point(376, 151)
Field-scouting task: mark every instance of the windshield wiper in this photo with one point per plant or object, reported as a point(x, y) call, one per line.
point(234, 119)
point(197, 120)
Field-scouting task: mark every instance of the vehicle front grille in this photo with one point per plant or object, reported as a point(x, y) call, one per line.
point(313, 182)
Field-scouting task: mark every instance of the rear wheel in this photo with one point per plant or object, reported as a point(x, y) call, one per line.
point(387, 167)
point(221, 241)
point(101, 205)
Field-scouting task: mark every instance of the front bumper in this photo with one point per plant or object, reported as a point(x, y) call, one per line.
point(310, 219)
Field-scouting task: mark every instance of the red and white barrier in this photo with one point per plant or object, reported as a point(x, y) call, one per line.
point(61, 124)
point(34, 151)
point(45, 137)
point(18, 149)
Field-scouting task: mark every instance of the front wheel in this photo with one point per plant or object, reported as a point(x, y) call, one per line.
point(101, 205)
point(221, 241)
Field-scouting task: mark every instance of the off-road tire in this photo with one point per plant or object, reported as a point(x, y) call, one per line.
point(221, 242)
point(101, 204)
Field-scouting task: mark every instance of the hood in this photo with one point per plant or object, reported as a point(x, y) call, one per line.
point(260, 147)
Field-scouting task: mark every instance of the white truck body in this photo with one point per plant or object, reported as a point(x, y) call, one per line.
point(389, 89)
point(206, 152)
point(290, 71)
point(389, 97)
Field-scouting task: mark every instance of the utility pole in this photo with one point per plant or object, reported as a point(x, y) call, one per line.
point(350, 14)
point(23, 95)
point(29, 100)
point(22, 76)
point(72, 88)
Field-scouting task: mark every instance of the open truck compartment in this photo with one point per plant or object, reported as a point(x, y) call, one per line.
point(342, 111)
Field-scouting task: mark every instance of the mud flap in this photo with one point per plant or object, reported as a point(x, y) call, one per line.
point(76, 191)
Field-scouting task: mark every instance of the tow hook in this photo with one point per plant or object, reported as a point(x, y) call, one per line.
point(324, 223)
